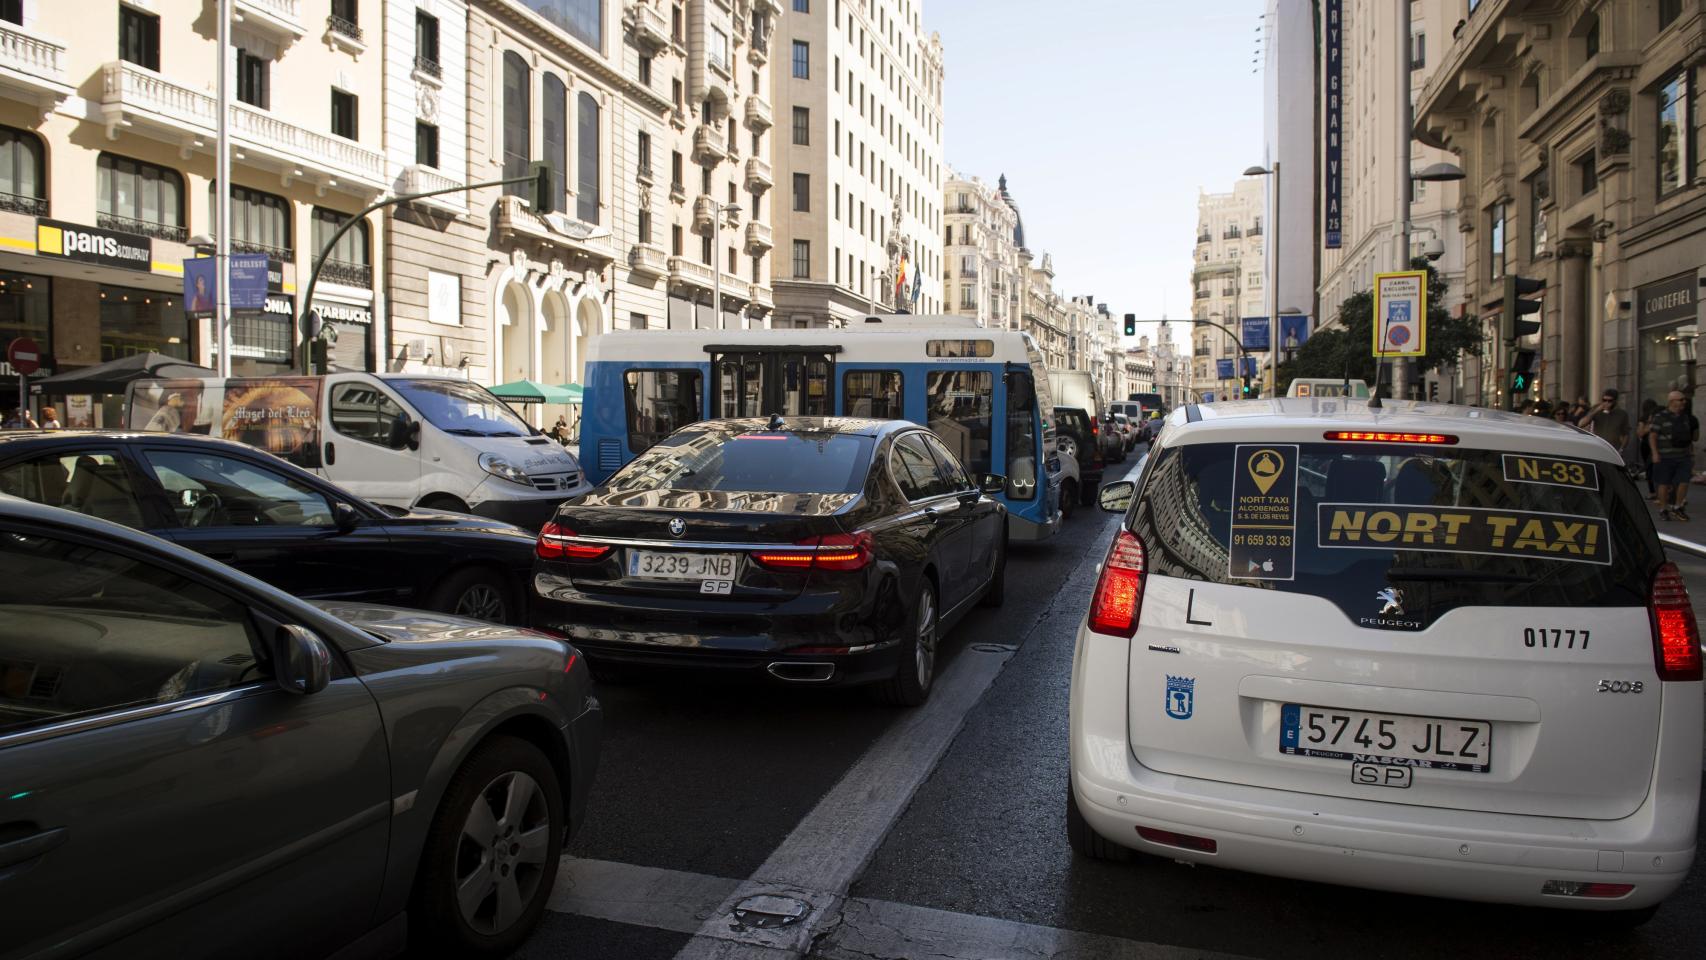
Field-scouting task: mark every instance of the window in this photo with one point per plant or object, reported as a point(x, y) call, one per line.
point(91, 483)
point(23, 184)
point(344, 121)
point(1537, 234)
point(644, 226)
point(1590, 40)
point(1496, 242)
point(1676, 133)
point(1587, 169)
point(12, 11)
point(957, 408)
point(835, 141)
point(878, 394)
point(554, 136)
point(212, 490)
point(349, 261)
point(719, 49)
point(675, 247)
point(952, 473)
point(1669, 10)
point(643, 150)
point(252, 74)
point(802, 259)
point(638, 321)
point(959, 348)
point(586, 157)
point(516, 121)
point(705, 251)
point(802, 6)
point(345, 10)
point(915, 470)
point(802, 126)
point(675, 94)
point(802, 192)
point(582, 19)
point(660, 402)
point(1418, 50)
point(58, 667)
point(794, 462)
point(260, 222)
point(138, 37)
point(138, 197)
point(646, 71)
point(364, 412)
point(802, 60)
point(426, 43)
point(426, 144)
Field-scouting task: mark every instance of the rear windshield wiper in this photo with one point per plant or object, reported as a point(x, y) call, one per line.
point(1426, 573)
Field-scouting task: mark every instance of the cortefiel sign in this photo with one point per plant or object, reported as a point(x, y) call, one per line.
point(108, 248)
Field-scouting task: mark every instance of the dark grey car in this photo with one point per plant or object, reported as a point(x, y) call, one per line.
point(196, 764)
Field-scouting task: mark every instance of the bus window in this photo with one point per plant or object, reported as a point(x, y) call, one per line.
point(659, 403)
point(959, 348)
point(805, 385)
point(1021, 437)
point(740, 386)
point(959, 412)
point(873, 393)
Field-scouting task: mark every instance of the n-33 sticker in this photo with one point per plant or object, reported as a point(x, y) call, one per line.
point(1552, 471)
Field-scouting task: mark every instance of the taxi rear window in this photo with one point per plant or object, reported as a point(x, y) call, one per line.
point(1428, 528)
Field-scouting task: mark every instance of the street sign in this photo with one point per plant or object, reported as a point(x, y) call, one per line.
point(1400, 314)
point(1223, 369)
point(1255, 333)
point(24, 355)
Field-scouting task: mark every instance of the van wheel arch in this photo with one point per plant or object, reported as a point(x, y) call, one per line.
point(442, 501)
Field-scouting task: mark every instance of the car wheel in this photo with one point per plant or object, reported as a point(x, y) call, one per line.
point(1084, 841)
point(476, 593)
point(996, 592)
point(443, 501)
point(910, 685)
point(1068, 497)
point(491, 855)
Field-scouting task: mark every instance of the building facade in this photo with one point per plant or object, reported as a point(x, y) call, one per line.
point(1291, 138)
point(981, 238)
point(108, 116)
point(1228, 281)
point(858, 85)
point(1578, 125)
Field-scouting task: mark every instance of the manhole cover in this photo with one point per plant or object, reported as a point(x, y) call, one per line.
point(765, 911)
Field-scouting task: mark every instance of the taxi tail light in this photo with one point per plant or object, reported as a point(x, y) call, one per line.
point(1118, 601)
point(1183, 841)
point(557, 542)
point(1381, 436)
point(835, 551)
point(1676, 637)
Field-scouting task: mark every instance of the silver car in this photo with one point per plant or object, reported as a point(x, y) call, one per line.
point(197, 764)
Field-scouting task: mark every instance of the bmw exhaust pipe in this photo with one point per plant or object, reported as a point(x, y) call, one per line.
point(798, 672)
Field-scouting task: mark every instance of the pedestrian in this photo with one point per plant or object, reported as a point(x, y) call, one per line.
point(560, 432)
point(18, 419)
point(1607, 421)
point(50, 419)
point(1644, 425)
point(1670, 439)
point(1561, 415)
point(170, 417)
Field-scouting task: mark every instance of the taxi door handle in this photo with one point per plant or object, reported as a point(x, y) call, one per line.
point(31, 847)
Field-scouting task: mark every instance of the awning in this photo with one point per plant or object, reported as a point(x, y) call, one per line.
point(531, 391)
point(114, 375)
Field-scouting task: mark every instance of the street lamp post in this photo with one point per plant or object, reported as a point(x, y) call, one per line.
point(1273, 259)
point(718, 210)
point(1242, 354)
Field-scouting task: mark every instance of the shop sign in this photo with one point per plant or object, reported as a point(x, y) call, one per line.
point(108, 248)
point(344, 312)
point(1672, 300)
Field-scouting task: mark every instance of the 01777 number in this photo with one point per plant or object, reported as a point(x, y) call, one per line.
point(1554, 638)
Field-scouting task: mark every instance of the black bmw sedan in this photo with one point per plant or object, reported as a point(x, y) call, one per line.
point(275, 521)
point(802, 550)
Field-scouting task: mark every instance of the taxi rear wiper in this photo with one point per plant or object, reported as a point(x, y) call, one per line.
point(1426, 573)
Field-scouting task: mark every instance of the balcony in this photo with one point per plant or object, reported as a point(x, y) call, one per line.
point(420, 178)
point(146, 102)
point(647, 261)
point(32, 67)
point(678, 191)
point(345, 34)
point(758, 50)
point(704, 213)
point(1254, 231)
point(428, 69)
point(241, 245)
point(175, 232)
point(280, 20)
point(736, 288)
point(1204, 237)
point(691, 273)
point(774, 7)
point(708, 146)
point(762, 297)
point(758, 238)
point(758, 115)
point(1202, 294)
point(649, 27)
point(515, 221)
point(29, 206)
point(348, 274)
point(1231, 234)
point(758, 175)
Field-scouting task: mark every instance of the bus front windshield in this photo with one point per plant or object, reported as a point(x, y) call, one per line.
point(462, 408)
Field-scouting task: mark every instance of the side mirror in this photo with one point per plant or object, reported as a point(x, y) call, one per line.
point(414, 440)
point(1116, 497)
point(301, 664)
point(399, 436)
point(348, 518)
point(992, 483)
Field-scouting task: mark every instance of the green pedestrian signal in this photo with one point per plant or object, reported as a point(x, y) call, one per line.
point(1522, 371)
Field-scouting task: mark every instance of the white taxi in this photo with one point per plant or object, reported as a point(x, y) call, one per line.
point(1424, 648)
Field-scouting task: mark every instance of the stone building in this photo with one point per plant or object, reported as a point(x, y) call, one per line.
point(1227, 278)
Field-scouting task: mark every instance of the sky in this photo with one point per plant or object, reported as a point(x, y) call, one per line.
point(1107, 116)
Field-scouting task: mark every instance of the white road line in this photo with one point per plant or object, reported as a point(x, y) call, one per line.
point(680, 901)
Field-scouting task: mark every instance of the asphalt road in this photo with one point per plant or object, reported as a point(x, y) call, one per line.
point(941, 832)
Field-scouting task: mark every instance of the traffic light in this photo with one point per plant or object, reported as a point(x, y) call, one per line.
point(1522, 370)
point(1131, 324)
point(540, 188)
point(1511, 324)
point(1248, 391)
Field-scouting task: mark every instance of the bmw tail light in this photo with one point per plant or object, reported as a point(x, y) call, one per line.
point(837, 551)
point(1676, 637)
point(1118, 601)
point(557, 542)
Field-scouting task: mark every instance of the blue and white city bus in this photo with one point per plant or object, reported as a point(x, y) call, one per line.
point(984, 392)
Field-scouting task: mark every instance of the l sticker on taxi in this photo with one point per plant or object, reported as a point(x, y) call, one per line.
point(1505, 533)
point(1553, 471)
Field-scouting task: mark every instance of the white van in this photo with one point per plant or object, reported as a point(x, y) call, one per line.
point(402, 439)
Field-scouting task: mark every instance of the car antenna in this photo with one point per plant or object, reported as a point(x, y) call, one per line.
point(1373, 395)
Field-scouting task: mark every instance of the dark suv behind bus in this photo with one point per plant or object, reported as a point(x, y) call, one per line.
point(1076, 432)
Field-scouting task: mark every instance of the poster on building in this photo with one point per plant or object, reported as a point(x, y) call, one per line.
point(1223, 368)
point(201, 286)
point(1401, 314)
point(280, 415)
point(1255, 334)
point(1333, 124)
point(1293, 331)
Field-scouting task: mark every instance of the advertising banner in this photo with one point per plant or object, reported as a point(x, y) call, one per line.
point(1255, 334)
point(1333, 125)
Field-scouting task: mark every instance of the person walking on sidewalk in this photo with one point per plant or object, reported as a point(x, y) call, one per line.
point(1607, 421)
point(1670, 439)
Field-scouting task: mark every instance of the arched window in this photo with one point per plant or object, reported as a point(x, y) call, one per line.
point(517, 106)
point(350, 261)
point(138, 197)
point(23, 179)
point(260, 222)
point(554, 131)
point(586, 156)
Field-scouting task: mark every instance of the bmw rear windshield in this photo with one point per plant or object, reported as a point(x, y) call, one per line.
point(766, 462)
point(1442, 526)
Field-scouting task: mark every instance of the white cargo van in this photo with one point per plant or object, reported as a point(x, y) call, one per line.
point(401, 439)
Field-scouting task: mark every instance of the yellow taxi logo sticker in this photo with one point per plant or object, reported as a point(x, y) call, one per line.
point(1553, 471)
point(50, 240)
point(1512, 533)
point(1265, 467)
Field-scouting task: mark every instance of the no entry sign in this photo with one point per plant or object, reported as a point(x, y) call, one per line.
point(24, 355)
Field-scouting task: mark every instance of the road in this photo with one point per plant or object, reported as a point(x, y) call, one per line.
point(941, 833)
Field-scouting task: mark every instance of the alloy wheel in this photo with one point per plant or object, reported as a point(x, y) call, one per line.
point(926, 645)
point(500, 858)
point(481, 601)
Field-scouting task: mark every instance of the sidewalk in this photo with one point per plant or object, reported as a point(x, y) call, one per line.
point(1693, 529)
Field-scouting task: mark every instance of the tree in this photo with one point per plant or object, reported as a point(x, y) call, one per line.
point(1347, 349)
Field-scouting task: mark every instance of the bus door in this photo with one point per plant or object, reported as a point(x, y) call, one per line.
point(749, 381)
